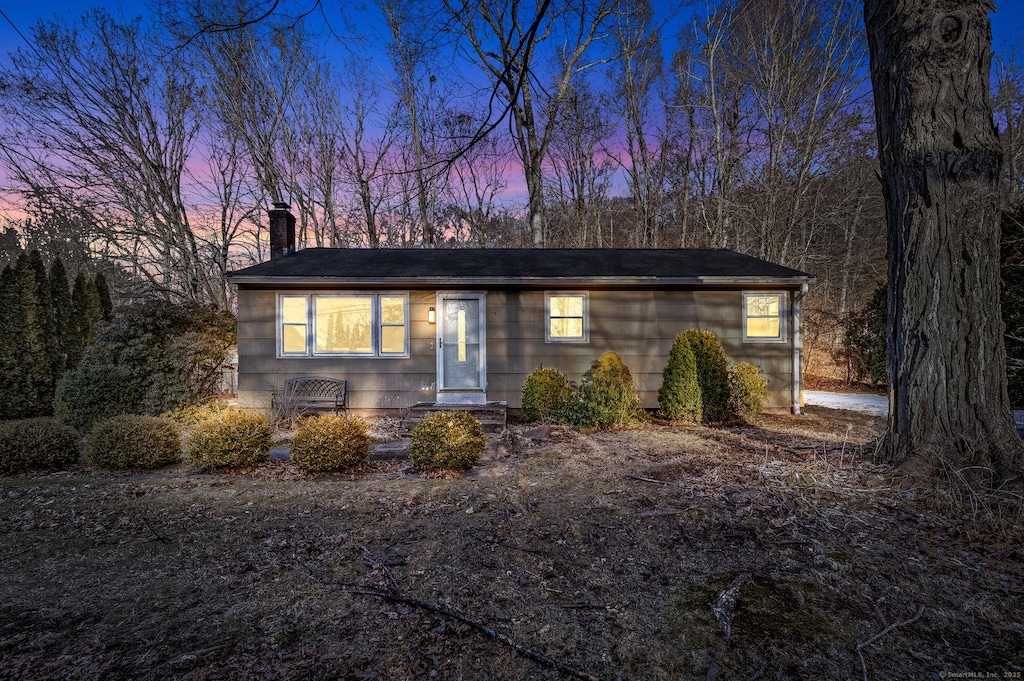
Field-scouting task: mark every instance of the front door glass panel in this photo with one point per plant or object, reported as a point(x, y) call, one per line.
point(460, 351)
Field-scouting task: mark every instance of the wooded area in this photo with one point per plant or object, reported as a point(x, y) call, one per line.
point(156, 143)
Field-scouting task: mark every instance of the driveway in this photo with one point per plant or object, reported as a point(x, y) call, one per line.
point(878, 405)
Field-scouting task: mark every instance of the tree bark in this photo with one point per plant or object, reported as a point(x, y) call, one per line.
point(940, 157)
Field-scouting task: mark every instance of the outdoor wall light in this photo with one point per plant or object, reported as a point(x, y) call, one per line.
point(431, 316)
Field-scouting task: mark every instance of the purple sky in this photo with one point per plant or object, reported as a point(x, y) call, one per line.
point(1007, 26)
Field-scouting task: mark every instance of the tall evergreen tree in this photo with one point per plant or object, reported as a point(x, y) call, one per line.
point(79, 329)
point(93, 307)
point(103, 294)
point(12, 397)
point(40, 350)
point(60, 298)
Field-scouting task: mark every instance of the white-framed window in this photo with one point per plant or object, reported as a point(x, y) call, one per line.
point(764, 317)
point(567, 317)
point(343, 325)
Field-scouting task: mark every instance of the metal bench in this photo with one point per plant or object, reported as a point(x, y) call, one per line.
point(312, 393)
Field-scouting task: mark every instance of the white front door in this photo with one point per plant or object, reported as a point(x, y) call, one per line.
point(461, 350)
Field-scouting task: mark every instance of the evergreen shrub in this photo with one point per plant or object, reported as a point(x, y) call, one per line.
point(131, 441)
point(447, 440)
point(679, 395)
point(330, 443)
point(748, 389)
point(38, 444)
point(712, 375)
point(190, 415)
point(608, 397)
point(230, 439)
point(91, 393)
point(864, 339)
point(547, 396)
point(174, 351)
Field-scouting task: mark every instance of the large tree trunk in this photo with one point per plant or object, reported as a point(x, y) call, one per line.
point(940, 159)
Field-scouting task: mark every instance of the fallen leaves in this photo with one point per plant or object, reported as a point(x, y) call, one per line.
point(613, 553)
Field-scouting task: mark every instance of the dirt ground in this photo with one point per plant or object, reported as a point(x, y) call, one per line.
point(770, 551)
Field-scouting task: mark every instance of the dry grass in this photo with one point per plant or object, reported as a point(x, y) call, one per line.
point(604, 551)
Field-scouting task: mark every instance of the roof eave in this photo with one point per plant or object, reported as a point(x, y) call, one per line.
point(528, 282)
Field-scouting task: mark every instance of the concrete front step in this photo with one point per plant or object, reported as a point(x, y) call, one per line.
point(388, 451)
point(492, 416)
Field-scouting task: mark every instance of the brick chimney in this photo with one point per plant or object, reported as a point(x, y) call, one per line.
point(282, 230)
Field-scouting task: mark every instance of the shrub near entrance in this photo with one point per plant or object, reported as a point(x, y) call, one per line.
point(231, 439)
point(330, 443)
point(608, 395)
point(452, 440)
point(547, 396)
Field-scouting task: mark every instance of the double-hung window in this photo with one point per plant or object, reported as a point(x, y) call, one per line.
point(764, 317)
point(567, 317)
point(350, 325)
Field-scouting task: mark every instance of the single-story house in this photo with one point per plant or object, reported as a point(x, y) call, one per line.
point(467, 326)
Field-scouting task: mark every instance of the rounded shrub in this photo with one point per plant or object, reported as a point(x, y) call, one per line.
point(547, 396)
point(608, 397)
point(190, 415)
point(330, 443)
point(95, 392)
point(230, 439)
point(679, 395)
point(712, 375)
point(447, 440)
point(748, 388)
point(39, 444)
point(131, 441)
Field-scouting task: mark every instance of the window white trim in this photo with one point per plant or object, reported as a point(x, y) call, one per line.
point(548, 295)
point(376, 324)
point(782, 296)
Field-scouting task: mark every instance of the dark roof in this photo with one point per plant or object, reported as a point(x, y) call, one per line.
point(498, 266)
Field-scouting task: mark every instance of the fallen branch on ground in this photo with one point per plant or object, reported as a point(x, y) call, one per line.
point(657, 482)
point(519, 648)
point(156, 535)
point(883, 632)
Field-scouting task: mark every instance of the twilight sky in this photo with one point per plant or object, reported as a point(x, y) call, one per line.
point(1007, 22)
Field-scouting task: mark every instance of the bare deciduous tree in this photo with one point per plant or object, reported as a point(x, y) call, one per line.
point(98, 123)
point(505, 37)
point(581, 168)
point(1008, 105)
point(635, 77)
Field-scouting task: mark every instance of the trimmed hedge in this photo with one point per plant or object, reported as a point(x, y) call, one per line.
point(130, 441)
point(447, 440)
point(547, 396)
point(712, 375)
point(679, 395)
point(95, 392)
point(748, 389)
point(230, 439)
point(608, 397)
point(330, 443)
point(39, 444)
